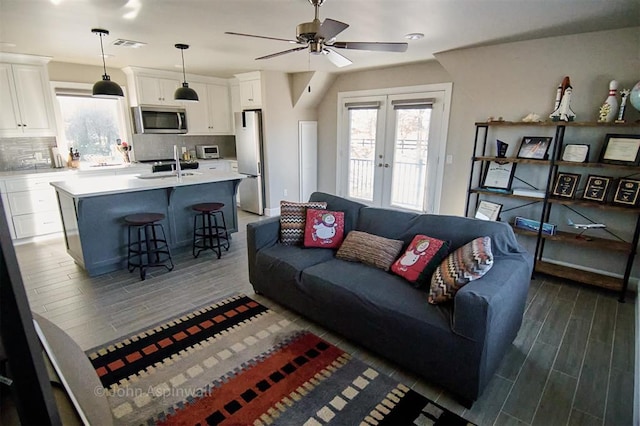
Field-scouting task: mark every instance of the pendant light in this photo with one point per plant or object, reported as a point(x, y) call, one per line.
point(105, 88)
point(184, 93)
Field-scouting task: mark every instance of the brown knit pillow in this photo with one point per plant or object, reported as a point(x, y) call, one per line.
point(369, 249)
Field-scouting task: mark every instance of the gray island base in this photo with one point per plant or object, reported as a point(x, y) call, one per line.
point(93, 209)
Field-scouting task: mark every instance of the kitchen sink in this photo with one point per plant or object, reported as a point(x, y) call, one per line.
point(163, 175)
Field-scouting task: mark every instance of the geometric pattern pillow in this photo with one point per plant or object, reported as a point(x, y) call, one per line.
point(421, 258)
point(292, 220)
point(466, 264)
point(370, 249)
point(324, 228)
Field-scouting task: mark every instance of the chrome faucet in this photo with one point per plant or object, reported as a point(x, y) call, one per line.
point(177, 158)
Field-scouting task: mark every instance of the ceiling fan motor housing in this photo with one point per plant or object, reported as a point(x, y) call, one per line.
point(307, 31)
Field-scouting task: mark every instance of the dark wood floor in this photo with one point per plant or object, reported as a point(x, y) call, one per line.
point(572, 362)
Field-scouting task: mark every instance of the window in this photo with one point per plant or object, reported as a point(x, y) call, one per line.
point(91, 126)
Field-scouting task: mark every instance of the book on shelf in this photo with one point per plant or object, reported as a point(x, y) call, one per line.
point(529, 192)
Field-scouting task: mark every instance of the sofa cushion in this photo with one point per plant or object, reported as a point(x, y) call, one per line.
point(324, 228)
point(369, 249)
point(282, 262)
point(421, 258)
point(384, 296)
point(466, 264)
point(292, 220)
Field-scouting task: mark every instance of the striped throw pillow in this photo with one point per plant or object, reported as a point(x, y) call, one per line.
point(293, 218)
point(464, 265)
point(370, 249)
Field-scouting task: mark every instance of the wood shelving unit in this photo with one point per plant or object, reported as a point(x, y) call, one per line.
point(551, 167)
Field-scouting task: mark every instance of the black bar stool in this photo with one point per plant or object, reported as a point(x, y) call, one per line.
point(150, 248)
point(211, 232)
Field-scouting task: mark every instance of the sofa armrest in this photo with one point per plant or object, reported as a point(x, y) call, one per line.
point(494, 303)
point(261, 234)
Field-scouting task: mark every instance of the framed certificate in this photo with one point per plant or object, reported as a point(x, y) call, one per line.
point(488, 210)
point(534, 147)
point(621, 149)
point(575, 153)
point(566, 185)
point(627, 193)
point(597, 188)
point(498, 175)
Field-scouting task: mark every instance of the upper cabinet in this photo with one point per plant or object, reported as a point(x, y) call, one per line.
point(28, 107)
point(212, 114)
point(250, 90)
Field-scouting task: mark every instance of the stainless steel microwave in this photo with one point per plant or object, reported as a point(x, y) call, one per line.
point(157, 119)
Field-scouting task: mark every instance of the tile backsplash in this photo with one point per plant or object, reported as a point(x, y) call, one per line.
point(154, 147)
point(25, 153)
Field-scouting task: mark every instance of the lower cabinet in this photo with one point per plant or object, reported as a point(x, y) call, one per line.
point(35, 224)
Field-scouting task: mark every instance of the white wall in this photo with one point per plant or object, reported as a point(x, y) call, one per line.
point(281, 138)
point(77, 73)
point(508, 80)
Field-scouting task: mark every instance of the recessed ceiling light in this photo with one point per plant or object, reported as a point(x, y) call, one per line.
point(414, 36)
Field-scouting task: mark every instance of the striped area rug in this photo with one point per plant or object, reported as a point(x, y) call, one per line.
point(237, 362)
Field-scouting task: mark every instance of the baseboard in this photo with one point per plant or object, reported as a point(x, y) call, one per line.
point(272, 212)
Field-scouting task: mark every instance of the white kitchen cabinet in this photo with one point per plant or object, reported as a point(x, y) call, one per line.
point(250, 90)
point(156, 90)
point(27, 107)
point(212, 114)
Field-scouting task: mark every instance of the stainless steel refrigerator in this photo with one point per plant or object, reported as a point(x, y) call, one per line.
point(250, 153)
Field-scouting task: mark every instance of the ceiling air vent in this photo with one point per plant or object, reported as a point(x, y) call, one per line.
point(128, 43)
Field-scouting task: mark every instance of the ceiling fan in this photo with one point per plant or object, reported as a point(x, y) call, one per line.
point(319, 38)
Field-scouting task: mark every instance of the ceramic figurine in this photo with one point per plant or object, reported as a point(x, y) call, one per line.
point(609, 108)
point(563, 110)
point(624, 94)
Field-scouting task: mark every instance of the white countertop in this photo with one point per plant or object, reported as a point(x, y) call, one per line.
point(96, 186)
point(65, 172)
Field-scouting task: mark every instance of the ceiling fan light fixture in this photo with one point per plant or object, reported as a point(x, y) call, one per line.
point(105, 88)
point(184, 93)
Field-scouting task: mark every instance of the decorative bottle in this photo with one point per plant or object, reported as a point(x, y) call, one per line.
point(609, 108)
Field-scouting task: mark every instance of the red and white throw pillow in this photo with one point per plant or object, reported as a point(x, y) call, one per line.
point(421, 258)
point(324, 228)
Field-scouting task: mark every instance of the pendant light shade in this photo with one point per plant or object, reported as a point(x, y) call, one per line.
point(105, 88)
point(184, 93)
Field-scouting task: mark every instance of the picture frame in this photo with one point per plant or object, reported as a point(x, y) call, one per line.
point(488, 211)
point(575, 153)
point(627, 193)
point(597, 188)
point(621, 149)
point(565, 185)
point(534, 147)
point(498, 175)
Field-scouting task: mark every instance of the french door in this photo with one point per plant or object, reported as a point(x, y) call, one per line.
point(391, 150)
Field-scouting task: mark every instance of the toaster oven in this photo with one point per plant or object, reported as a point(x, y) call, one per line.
point(207, 151)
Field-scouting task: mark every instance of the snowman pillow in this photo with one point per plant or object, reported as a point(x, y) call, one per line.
point(421, 259)
point(324, 228)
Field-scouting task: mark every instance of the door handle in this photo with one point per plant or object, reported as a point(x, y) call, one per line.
point(386, 165)
point(379, 164)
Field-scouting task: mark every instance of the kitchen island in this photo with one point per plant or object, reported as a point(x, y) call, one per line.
point(93, 209)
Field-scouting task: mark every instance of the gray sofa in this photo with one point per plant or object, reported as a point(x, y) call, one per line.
point(457, 345)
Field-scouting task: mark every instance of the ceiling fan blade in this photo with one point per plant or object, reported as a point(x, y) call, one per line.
point(331, 28)
point(337, 59)
point(273, 55)
point(376, 46)
point(265, 37)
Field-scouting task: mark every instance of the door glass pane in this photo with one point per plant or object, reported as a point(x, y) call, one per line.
point(409, 182)
point(362, 144)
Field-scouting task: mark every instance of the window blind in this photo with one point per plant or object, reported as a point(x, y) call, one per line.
point(413, 103)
